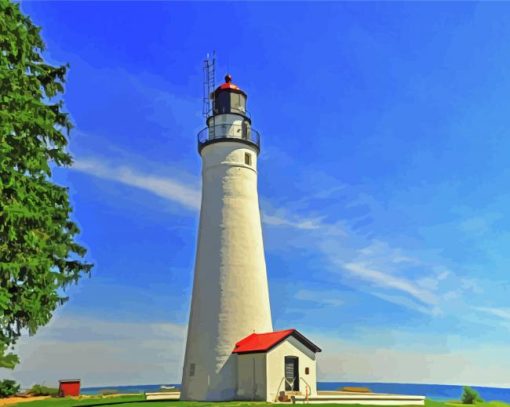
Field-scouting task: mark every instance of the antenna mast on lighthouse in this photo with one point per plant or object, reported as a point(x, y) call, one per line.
point(209, 82)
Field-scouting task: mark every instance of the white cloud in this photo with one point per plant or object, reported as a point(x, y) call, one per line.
point(345, 360)
point(177, 192)
point(502, 313)
point(101, 353)
point(378, 251)
point(372, 261)
point(381, 279)
point(407, 303)
point(296, 223)
point(378, 264)
point(322, 297)
point(384, 271)
point(477, 226)
point(170, 189)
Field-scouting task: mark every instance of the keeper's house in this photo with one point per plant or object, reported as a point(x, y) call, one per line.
point(275, 363)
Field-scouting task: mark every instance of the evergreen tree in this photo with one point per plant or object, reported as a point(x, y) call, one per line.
point(38, 252)
point(470, 396)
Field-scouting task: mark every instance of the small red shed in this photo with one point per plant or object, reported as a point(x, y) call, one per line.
point(69, 387)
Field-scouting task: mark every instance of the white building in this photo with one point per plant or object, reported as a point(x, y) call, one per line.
point(275, 362)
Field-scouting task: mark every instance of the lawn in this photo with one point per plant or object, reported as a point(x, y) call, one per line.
point(129, 401)
point(138, 401)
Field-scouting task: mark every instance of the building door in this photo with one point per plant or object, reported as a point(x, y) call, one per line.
point(291, 373)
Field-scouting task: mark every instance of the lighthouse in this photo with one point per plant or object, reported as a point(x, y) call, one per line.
point(232, 352)
point(230, 298)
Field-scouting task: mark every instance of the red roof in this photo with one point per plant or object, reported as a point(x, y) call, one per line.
point(265, 341)
point(228, 85)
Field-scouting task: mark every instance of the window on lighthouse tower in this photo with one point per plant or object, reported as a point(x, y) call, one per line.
point(247, 158)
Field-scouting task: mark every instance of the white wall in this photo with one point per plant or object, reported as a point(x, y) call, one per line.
point(276, 367)
point(230, 297)
point(251, 376)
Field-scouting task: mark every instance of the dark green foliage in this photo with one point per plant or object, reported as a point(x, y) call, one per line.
point(39, 390)
point(38, 253)
point(8, 388)
point(470, 396)
point(7, 360)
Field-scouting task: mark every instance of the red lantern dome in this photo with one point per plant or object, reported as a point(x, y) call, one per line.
point(228, 86)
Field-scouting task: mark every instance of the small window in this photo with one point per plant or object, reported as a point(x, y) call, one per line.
point(247, 158)
point(244, 128)
point(307, 370)
point(192, 369)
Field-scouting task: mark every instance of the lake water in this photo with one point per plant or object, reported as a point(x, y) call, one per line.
point(438, 392)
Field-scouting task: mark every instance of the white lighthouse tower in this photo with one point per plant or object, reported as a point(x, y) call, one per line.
point(230, 297)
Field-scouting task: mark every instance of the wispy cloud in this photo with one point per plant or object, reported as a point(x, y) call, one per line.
point(502, 313)
point(492, 316)
point(377, 251)
point(322, 297)
point(408, 303)
point(385, 272)
point(172, 190)
point(372, 261)
point(290, 216)
point(479, 225)
point(188, 196)
point(304, 224)
point(386, 280)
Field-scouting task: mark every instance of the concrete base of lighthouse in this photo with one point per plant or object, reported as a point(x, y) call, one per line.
point(230, 297)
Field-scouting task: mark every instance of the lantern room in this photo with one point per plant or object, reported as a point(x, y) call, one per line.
point(229, 98)
point(228, 119)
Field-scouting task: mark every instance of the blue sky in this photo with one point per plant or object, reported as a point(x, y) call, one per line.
point(383, 180)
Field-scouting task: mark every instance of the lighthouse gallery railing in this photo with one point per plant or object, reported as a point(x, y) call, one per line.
point(235, 132)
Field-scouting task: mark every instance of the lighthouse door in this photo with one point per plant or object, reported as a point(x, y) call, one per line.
point(291, 373)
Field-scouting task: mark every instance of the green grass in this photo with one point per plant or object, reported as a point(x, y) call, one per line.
point(131, 401)
point(139, 401)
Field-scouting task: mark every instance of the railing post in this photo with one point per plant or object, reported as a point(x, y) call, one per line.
point(307, 387)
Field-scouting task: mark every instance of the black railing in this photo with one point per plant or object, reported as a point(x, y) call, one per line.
point(234, 132)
